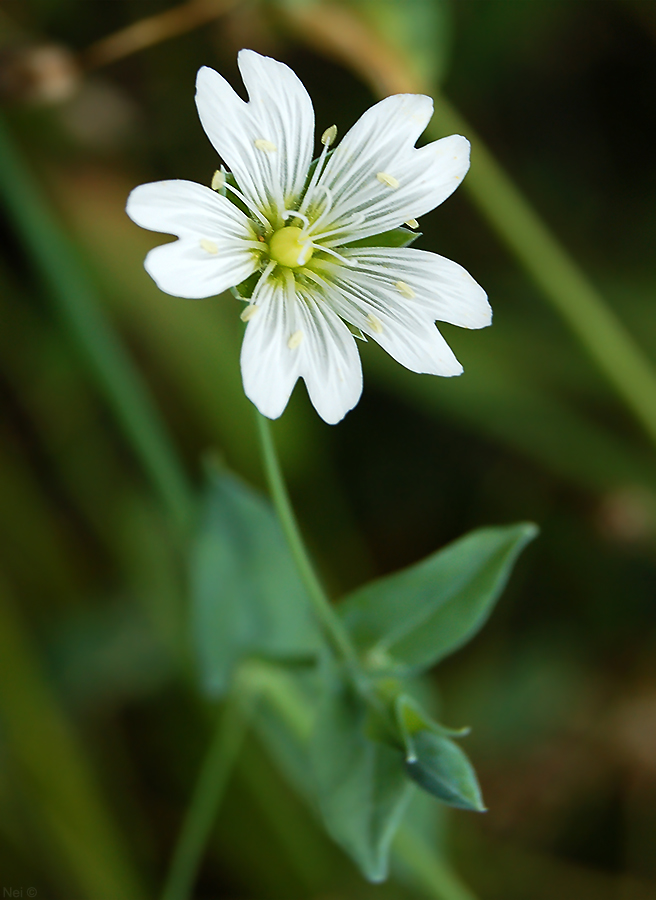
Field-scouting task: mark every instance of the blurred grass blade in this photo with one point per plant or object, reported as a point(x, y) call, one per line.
point(75, 301)
point(56, 771)
point(369, 52)
point(432, 873)
point(586, 312)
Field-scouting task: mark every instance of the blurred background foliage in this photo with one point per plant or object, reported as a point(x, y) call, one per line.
point(99, 708)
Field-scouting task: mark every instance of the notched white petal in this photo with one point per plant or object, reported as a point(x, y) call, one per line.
point(185, 208)
point(267, 142)
point(441, 287)
point(184, 269)
point(292, 337)
point(406, 331)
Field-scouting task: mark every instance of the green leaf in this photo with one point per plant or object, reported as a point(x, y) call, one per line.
point(416, 617)
point(362, 788)
point(434, 761)
point(247, 598)
point(397, 237)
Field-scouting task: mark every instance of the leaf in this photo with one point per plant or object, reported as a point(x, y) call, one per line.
point(362, 788)
point(397, 237)
point(434, 761)
point(247, 598)
point(416, 617)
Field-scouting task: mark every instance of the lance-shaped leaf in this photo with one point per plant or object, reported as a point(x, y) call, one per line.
point(434, 761)
point(247, 598)
point(416, 617)
point(361, 786)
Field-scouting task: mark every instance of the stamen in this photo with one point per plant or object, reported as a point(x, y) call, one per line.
point(412, 223)
point(375, 323)
point(209, 246)
point(324, 212)
point(389, 180)
point(318, 171)
point(218, 180)
point(405, 289)
point(249, 206)
point(347, 262)
point(248, 313)
point(298, 215)
point(329, 135)
point(357, 220)
point(263, 144)
point(295, 339)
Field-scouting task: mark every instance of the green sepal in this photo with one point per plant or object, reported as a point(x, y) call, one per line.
point(244, 291)
point(434, 761)
point(397, 237)
point(411, 619)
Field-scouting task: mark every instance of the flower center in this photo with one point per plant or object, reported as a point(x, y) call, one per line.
point(290, 247)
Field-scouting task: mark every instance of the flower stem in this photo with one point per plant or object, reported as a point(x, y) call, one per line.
point(331, 624)
point(434, 874)
point(206, 798)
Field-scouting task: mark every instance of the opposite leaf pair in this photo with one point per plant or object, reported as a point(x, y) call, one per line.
point(355, 750)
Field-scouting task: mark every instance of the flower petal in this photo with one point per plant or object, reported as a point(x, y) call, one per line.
point(185, 269)
point(441, 287)
point(406, 332)
point(215, 251)
point(185, 208)
point(378, 178)
point(291, 336)
point(266, 143)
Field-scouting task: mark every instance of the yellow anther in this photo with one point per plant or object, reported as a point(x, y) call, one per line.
point(209, 246)
point(267, 146)
point(388, 180)
point(404, 289)
point(295, 340)
point(289, 248)
point(329, 135)
point(218, 180)
point(376, 324)
point(249, 312)
point(412, 223)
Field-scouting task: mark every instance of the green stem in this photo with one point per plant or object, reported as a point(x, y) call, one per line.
point(333, 628)
point(206, 799)
point(78, 306)
point(434, 874)
point(595, 325)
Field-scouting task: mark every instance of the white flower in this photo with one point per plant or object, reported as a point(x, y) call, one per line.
point(295, 235)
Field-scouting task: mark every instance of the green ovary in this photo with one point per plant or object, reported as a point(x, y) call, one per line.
point(289, 248)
